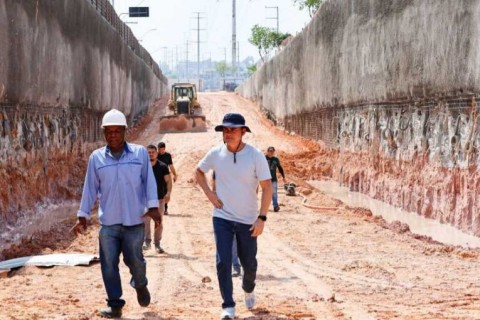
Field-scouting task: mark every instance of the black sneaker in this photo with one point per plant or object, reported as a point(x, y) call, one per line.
point(159, 249)
point(111, 312)
point(143, 296)
point(276, 209)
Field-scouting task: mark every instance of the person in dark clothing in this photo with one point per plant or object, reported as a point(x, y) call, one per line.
point(273, 164)
point(164, 188)
point(166, 158)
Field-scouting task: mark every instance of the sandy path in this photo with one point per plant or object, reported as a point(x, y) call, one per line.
point(312, 264)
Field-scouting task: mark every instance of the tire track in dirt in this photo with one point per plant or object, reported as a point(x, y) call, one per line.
point(281, 259)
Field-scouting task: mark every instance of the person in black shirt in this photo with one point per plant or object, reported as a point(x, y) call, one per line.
point(166, 158)
point(164, 189)
point(273, 164)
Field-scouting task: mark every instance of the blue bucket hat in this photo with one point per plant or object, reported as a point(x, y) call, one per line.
point(232, 120)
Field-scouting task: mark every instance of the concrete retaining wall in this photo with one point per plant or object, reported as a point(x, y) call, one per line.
point(396, 84)
point(64, 53)
point(62, 65)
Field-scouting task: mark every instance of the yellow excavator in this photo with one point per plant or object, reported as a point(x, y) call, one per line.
point(185, 110)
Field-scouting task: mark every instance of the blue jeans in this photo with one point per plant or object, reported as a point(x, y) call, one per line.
point(275, 194)
point(235, 261)
point(225, 231)
point(118, 239)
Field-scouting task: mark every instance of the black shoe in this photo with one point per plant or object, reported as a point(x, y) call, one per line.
point(111, 312)
point(143, 296)
point(276, 209)
point(159, 249)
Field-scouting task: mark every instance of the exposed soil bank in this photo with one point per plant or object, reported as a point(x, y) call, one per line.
point(313, 264)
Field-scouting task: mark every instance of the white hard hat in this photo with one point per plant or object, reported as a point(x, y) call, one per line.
point(114, 118)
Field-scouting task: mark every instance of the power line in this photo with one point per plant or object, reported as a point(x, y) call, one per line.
point(198, 41)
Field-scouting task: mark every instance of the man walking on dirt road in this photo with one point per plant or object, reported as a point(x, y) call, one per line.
point(239, 168)
point(164, 188)
point(166, 158)
point(121, 176)
point(273, 164)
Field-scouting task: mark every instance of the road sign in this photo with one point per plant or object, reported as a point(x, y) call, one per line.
point(138, 12)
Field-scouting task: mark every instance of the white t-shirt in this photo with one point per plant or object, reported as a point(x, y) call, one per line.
point(236, 183)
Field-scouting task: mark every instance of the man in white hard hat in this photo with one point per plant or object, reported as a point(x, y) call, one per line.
point(121, 176)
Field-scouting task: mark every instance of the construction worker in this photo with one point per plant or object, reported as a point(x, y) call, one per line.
point(166, 158)
point(164, 188)
point(121, 177)
point(273, 165)
point(239, 167)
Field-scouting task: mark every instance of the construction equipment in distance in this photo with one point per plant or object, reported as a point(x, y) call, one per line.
point(186, 112)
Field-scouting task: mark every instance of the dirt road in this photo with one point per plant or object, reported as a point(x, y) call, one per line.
point(313, 264)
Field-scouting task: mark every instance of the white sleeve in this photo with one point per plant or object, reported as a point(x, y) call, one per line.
point(261, 167)
point(206, 164)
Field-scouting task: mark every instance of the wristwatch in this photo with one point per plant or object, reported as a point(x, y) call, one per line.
point(262, 217)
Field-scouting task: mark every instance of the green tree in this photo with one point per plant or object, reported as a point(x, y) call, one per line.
point(266, 40)
point(311, 5)
point(278, 37)
point(261, 40)
point(252, 69)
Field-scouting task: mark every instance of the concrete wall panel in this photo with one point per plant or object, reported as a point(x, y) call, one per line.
point(64, 52)
point(396, 84)
point(357, 51)
point(62, 65)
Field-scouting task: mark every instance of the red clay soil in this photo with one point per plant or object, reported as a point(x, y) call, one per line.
point(344, 263)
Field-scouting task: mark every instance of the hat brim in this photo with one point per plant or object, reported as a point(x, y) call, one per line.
point(219, 128)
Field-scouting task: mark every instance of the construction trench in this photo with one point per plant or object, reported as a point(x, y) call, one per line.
point(380, 97)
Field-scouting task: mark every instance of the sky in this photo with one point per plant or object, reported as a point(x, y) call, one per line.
point(174, 22)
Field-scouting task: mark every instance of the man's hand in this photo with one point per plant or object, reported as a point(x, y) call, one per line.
point(257, 227)
point(155, 215)
point(215, 200)
point(80, 226)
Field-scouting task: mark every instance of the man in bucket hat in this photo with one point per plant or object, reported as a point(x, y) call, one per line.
point(239, 168)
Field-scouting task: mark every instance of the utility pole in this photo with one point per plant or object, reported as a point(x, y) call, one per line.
point(165, 58)
point(186, 63)
point(276, 18)
point(234, 34)
point(176, 63)
point(198, 44)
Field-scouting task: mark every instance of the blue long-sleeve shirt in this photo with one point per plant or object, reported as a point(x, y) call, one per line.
point(125, 187)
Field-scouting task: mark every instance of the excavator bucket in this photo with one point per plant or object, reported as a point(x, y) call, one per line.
point(183, 123)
